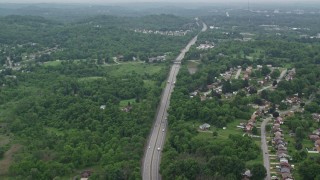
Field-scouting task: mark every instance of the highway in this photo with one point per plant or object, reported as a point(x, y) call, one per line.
point(152, 156)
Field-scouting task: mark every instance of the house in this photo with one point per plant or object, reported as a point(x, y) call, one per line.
point(103, 107)
point(281, 147)
point(276, 127)
point(275, 139)
point(204, 126)
point(194, 93)
point(279, 120)
point(157, 59)
point(316, 117)
point(249, 70)
point(203, 98)
point(249, 127)
point(127, 108)
point(290, 74)
point(245, 76)
point(314, 137)
point(282, 155)
point(279, 152)
point(286, 176)
point(280, 141)
point(317, 145)
point(278, 134)
point(120, 57)
point(288, 114)
point(261, 83)
point(283, 160)
point(285, 170)
point(247, 174)
point(285, 167)
point(86, 174)
point(317, 132)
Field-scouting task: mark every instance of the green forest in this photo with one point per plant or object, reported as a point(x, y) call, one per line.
point(72, 108)
point(79, 94)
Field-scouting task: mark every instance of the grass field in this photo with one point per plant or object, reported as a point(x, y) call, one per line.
point(139, 68)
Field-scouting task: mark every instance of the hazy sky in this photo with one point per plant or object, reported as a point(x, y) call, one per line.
point(122, 1)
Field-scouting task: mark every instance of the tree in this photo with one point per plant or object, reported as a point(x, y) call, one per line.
point(254, 130)
point(258, 171)
point(226, 165)
point(226, 87)
point(275, 74)
point(265, 70)
point(275, 114)
point(214, 133)
point(312, 107)
point(300, 133)
point(274, 83)
point(309, 169)
point(2, 151)
point(252, 90)
point(268, 127)
point(283, 106)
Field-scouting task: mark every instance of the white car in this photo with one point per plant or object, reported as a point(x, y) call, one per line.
point(158, 148)
point(168, 81)
point(162, 130)
point(149, 147)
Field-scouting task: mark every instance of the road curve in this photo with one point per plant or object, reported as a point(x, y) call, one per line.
point(152, 155)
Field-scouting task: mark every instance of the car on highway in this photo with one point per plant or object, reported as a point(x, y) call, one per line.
point(162, 130)
point(158, 148)
point(168, 81)
point(149, 147)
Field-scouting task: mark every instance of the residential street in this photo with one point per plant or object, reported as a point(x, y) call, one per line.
point(278, 80)
point(264, 145)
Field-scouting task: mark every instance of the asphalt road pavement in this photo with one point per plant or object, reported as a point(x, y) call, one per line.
point(152, 156)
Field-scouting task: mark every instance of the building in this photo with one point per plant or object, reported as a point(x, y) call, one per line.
point(204, 126)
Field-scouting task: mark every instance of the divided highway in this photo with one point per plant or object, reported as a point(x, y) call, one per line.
point(152, 156)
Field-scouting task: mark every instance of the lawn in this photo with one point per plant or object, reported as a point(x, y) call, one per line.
point(223, 134)
point(231, 128)
point(124, 103)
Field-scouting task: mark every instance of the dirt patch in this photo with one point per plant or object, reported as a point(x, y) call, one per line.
point(193, 66)
point(8, 158)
